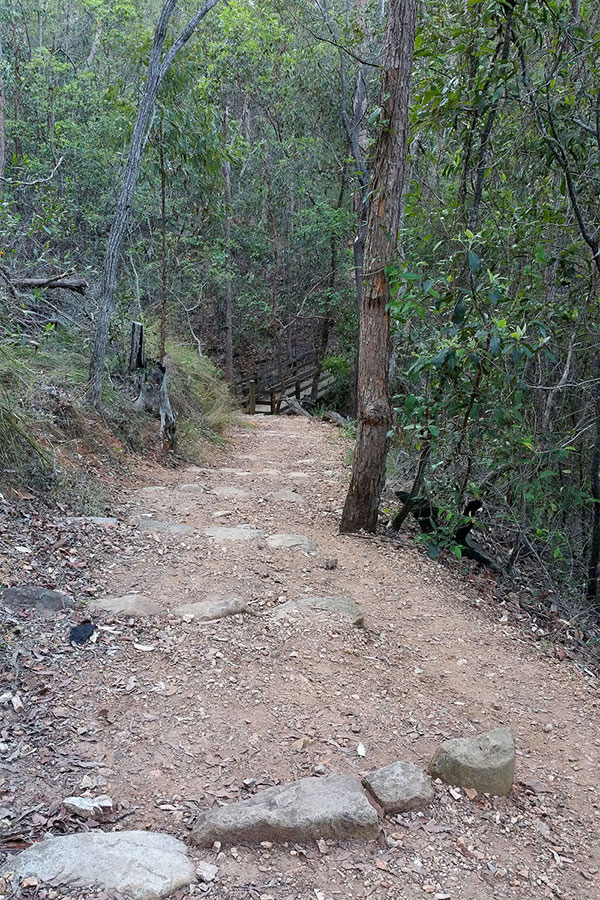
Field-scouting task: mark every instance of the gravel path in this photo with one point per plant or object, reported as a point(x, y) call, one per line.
point(168, 714)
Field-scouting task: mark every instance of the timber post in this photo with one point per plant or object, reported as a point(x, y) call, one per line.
point(252, 398)
point(137, 354)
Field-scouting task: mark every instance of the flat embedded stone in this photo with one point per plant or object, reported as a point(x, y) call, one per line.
point(209, 610)
point(400, 787)
point(136, 605)
point(289, 497)
point(229, 492)
point(236, 533)
point(30, 596)
point(166, 527)
point(105, 521)
point(485, 762)
point(192, 488)
point(343, 606)
point(141, 865)
point(331, 807)
point(289, 542)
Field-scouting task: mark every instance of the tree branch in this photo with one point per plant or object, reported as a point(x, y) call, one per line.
point(37, 180)
point(184, 36)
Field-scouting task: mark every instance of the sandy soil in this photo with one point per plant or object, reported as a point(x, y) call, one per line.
point(169, 716)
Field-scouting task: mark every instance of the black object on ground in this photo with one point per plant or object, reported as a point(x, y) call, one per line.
point(80, 634)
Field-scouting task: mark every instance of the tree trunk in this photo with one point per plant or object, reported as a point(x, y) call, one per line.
point(385, 204)
point(321, 349)
point(154, 77)
point(154, 398)
point(228, 255)
point(17, 90)
point(594, 559)
point(2, 125)
point(137, 353)
point(482, 155)
point(163, 249)
point(325, 323)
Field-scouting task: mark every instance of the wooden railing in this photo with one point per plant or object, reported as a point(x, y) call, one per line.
point(266, 390)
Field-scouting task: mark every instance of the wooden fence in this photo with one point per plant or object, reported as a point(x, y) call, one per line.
point(268, 389)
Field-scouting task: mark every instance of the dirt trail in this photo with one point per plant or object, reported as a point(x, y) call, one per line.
point(176, 714)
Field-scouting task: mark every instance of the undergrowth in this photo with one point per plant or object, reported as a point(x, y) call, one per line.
point(52, 443)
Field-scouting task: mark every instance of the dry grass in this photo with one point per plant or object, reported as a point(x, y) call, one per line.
point(50, 440)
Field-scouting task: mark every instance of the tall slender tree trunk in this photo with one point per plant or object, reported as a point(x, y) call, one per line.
point(593, 582)
point(17, 91)
point(483, 151)
point(2, 121)
point(163, 248)
point(325, 323)
point(385, 205)
point(157, 69)
point(229, 260)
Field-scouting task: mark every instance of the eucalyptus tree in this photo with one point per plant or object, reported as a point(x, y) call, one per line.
point(158, 66)
point(361, 508)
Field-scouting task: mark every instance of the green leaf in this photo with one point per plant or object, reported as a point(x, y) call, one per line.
point(460, 313)
point(474, 261)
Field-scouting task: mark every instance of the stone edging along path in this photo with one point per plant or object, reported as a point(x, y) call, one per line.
point(149, 866)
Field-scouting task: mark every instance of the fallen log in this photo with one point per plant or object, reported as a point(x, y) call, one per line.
point(68, 283)
point(336, 418)
point(296, 407)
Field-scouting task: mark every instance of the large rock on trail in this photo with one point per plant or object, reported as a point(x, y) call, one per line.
point(400, 787)
point(139, 864)
point(332, 807)
point(485, 762)
point(29, 596)
point(340, 606)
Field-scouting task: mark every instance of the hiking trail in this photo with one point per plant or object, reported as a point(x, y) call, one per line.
point(168, 714)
